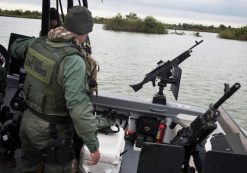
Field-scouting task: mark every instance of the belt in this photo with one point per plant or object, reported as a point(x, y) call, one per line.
point(51, 118)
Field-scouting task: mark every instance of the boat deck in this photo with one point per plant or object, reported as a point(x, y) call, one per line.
point(129, 161)
point(130, 158)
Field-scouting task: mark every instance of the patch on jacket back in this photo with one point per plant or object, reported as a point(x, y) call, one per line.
point(39, 66)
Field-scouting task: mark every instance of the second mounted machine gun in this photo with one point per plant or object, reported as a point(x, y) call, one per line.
point(194, 136)
point(169, 73)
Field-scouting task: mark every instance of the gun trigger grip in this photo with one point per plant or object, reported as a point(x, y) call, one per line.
point(153, 82)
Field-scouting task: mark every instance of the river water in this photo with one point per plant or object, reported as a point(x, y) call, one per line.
point(125, 58)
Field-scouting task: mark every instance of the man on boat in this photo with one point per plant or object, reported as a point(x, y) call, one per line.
point(55, 20)
point(56, 94)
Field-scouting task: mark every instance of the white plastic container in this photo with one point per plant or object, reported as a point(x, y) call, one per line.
point(111, 146)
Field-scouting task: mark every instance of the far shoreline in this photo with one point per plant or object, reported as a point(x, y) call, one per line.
point(149, 25)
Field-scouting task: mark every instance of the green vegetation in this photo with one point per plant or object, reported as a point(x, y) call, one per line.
point(100, 20)
point(193, 27)
point(21, 13)
point(132, 23)
point(234, 33)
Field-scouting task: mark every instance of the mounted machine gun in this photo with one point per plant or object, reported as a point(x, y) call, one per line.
point(169, 73)
point(199, 130)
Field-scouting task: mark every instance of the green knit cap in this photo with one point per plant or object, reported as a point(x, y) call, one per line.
point(78, 20)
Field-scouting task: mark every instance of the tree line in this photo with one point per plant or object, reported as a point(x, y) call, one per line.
point(132, 23)
point(21, 13)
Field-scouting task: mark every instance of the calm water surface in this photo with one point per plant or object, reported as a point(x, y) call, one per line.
point(125, 58)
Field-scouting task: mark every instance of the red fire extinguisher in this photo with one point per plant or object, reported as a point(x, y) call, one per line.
point(161, 132)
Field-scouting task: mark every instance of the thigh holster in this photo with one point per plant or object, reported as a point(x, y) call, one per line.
point(58, 152)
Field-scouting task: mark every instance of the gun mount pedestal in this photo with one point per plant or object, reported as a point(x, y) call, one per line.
point(159, 97)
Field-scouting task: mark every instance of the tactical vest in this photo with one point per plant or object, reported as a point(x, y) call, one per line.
point(42, 91)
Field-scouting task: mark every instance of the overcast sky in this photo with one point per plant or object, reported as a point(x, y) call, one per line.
point(206, 12)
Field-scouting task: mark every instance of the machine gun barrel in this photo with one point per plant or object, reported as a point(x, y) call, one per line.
point(163, 69)
point(183, 56)
point(227, 94)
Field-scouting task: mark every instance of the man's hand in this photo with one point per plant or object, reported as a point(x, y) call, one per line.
point(95, 157)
